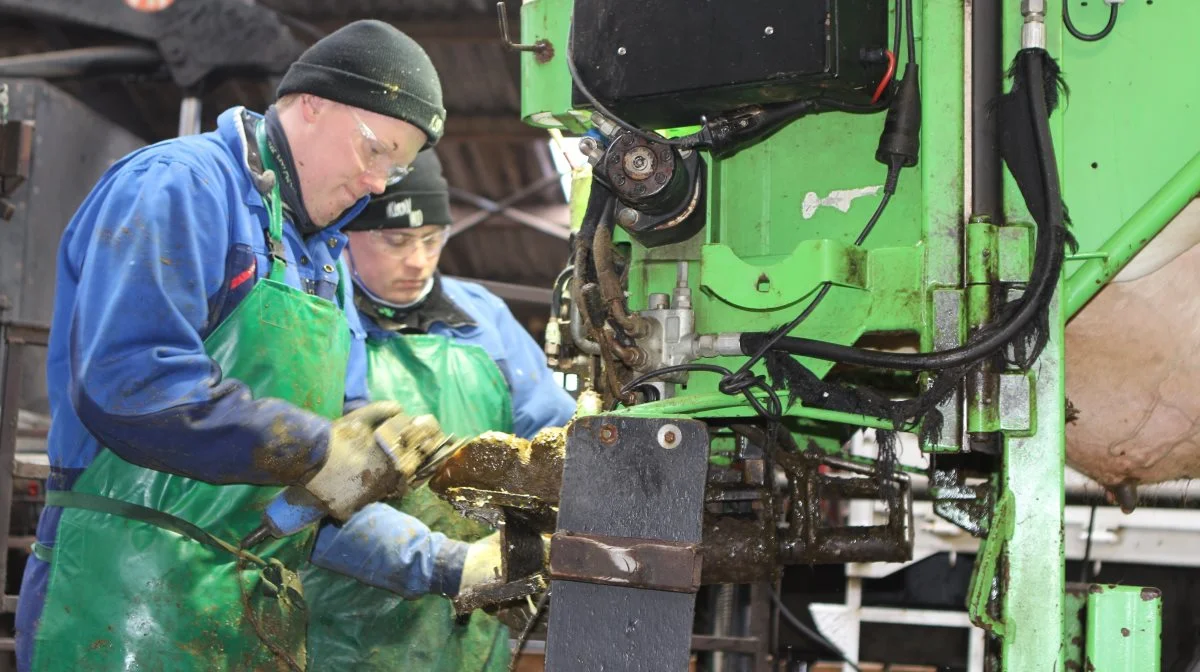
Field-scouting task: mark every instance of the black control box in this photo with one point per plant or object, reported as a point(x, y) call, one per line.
point(664, 63)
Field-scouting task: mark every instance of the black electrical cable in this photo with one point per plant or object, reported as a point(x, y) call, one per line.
point(912, 40)
point(1085, 572)
point(809, 632)
point(897, 30)
point(1089, 37)
point(772, 411)
point(685, 142)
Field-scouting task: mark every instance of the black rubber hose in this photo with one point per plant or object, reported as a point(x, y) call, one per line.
point(599, 201)
point(1043, 278)
point(1089, 37)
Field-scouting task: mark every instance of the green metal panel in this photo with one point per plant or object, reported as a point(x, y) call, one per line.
point(546, 82)
point(1123, 629)
point(1127, 241)
point(1136, 125)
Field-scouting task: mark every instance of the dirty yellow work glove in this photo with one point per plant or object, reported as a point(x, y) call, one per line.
point(373, 452)
point(482, 565)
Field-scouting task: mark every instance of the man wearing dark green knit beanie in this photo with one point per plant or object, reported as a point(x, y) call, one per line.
point(351, 115)
point(236, 271)
point(372, 66)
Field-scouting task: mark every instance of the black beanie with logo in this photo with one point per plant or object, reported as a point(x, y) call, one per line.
point(373, 66)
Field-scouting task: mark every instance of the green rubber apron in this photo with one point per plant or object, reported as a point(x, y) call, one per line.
point(358, 628)
point(145, 574)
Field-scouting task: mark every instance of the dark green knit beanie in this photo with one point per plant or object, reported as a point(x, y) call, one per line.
point(372, 66)
point(421, 198)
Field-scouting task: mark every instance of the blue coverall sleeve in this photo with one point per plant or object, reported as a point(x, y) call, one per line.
point(356, 368)
point(149, 250)
point(386, 548)
point(538, 400)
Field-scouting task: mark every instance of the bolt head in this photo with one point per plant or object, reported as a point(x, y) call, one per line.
point(669, 436)
point(608, 434)
point(768, 30)
point(627, 217)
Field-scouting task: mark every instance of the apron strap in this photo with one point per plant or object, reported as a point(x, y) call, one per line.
point(274, 205)
point(144, 514)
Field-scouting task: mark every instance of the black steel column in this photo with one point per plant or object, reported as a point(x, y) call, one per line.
point(625, 562)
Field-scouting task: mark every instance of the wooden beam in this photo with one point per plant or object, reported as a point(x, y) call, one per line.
point(481, 29)
point(562, 231)
point(490, 128)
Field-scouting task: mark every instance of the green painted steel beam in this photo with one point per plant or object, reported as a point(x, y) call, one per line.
point(1134, 235)
point(1123, 632)
point(545, 79)
point(727, 406)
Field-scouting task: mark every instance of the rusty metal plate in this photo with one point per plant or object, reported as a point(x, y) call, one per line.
point(622, 479)
point(625, 561)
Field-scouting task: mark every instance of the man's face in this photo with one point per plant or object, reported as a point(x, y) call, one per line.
point(344, 153)
point(395, 264)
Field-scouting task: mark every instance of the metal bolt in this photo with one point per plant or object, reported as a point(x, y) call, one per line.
point(668, 436)
point(608, 434)
point(621, 51)
point(628, 217)
point(768, 31)
point(639, 163)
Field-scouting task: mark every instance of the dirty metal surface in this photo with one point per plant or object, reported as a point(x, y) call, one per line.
point(504, 466)
point(739, 549)
point(1074, 618)
point(624, 561)
point(494, 594)
point(810, 539)
point(619, 481)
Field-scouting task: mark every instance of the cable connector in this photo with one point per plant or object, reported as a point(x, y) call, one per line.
point(900, 142)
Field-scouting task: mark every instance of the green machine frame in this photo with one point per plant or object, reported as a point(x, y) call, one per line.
point(781, 216)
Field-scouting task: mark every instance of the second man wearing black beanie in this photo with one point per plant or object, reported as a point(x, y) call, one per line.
point(450, 348)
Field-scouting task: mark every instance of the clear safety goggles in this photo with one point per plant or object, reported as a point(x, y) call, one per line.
point(375, 155)
point(400, 243)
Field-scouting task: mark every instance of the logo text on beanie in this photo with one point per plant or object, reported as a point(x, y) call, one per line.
point(404, 207)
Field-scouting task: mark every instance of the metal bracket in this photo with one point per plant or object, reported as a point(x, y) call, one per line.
point(987, 577)
point(625, 561)
point(542, 50)
point(810, 541)
point(494, 594)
